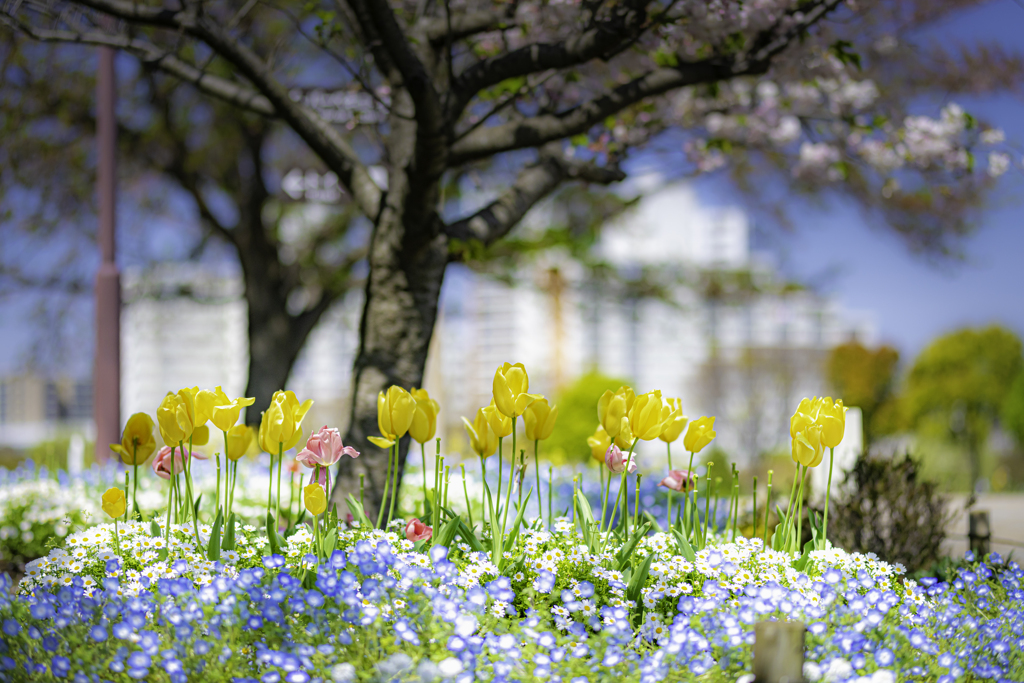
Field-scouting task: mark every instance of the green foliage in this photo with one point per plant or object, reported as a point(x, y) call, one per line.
point(866, 378)
point(959, 384)
point(577, 417)
point(1013, 410)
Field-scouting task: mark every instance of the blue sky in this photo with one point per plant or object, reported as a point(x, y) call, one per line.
point(867, 269)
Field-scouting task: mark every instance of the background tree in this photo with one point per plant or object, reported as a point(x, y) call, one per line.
point(554, 93)
point(958, 385)
point(290, 276)
point(866, 378)
point(1013, 411)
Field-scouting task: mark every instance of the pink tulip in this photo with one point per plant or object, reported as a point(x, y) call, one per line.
point(678, 480)
point(322, 479)
point(324, 448)
point(416, 530)
point(615, 459)
point(162, 463)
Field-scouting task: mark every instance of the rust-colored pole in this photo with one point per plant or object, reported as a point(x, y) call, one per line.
point(107, 367)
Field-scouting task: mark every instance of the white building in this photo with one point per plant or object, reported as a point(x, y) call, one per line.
point(725, 334)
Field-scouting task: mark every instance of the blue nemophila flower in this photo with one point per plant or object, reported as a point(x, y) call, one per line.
point(60, 666)
point(884, 657)
point(11, 627)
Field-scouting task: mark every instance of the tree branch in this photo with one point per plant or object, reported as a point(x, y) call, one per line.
point(600, 40)
point(465, 25)
point(535, 182)
point(327, 142)
point(148, 53)
point(540, 130)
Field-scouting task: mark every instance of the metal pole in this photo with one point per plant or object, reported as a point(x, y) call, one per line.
point(107, 367)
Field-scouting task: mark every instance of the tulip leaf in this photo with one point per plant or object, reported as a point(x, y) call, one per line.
point(584, 518)
point(275, 545)
point(229, 533)
point(154, 529)
point(358, 514)
point(685, 549)
point(626, 551)
point(330, 541)
point(195, 509)
point(636, 581)
point(653, 522)
point(495, 530)
point(138, 512)
point(448, 531)
point(510, 539)
point(213, 547)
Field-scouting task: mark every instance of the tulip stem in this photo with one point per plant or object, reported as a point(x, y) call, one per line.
point(690, 507)
point(501, 467)
point(483, 498)
point(135, 478)
point(636, 503)
point(384, 497)
point(465, 490)
point(800, 513)
point(218, 481)
point(754, 532)
point(270, 483)
point(707, 504)
point(126, 496)
point(550, 468)
point(170, 495)
point(668, 517)
point(394, 487)
point(511, 475)
point(423, 457)
point(280, 462)
point(188, 489)
point(117, 541)
point(607, 492)
point(622, 490)
point(792, 498)
point(828, 493)
point(767, 509)
point(536, 469)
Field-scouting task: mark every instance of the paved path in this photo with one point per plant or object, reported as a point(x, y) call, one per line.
point(1006, 515)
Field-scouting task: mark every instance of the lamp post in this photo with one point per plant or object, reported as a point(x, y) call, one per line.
point(107, 363)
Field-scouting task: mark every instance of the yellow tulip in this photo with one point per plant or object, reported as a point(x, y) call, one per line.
point(500, 424)
point(832, 418)
point(314, 498)
point(137, 441)
point(510, 387)
point(394, 412)
point(540, 419)
point(612, 407)
point(281, 425)
point(424, 417)
point(240, 438)
point(675, 422)
point(114, 503)
point(807, 446)
point(806, 414)
point(624, 439)
point(179, 421)
point(599, 443)
point(645, 416)
point(699, 434)
point(482, 438)
point(223, 411)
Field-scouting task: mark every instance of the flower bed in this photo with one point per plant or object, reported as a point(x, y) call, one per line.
point(605, 593)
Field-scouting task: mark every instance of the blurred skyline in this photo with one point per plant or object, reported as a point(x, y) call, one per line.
point(831, 247)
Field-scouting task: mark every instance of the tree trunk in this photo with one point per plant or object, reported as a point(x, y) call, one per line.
point(274, 345)
point(399, 312)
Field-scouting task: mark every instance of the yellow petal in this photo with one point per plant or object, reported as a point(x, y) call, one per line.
point(380, 442)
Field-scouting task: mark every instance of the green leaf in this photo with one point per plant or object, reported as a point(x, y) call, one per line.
point(510, 538)
point(843, 51)
point(652, 521)
point(138, 512)
point(685, 549)
point(665, 57)
point(154, 529)
point(229, 533)
point(448, 531)
point(272, 539)
point(636, 581)
point(357, 511)
point(199, 501)
point(495, 530)
point(330, 541)
point(213, 547)
point(585, 518)
point(626, 551)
